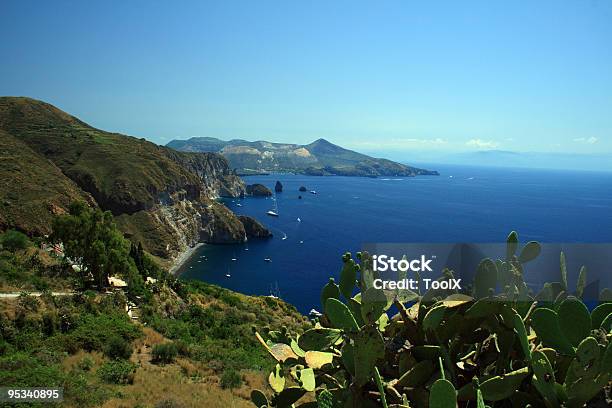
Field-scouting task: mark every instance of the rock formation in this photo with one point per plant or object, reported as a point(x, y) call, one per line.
point(258, 190)
point(253, 228)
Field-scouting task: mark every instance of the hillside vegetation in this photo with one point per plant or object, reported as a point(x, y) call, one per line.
point(50, 158)
point(182, 344)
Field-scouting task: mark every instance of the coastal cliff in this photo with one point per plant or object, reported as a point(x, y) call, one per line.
point(160, 197)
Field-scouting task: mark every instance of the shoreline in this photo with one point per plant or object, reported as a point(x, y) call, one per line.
point(182, 258)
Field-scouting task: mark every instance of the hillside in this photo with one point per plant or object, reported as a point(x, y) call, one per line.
point(160, 196)
point(103, 356)
point(317, 158)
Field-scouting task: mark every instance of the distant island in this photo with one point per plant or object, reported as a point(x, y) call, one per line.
point(319, 158)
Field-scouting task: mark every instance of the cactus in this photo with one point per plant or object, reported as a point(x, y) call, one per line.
point(348, 276)
point(521, 332)
point(325, 399)
point(287, 397)
point(319, 339)
point(331, 290)
point(546, 324)
point(340, 315)
point(417, 375)
point(599, 314)
point(511, 244)
point(485, 279)
point(606, 325)
point(259, 399)
point(508, 348)
point(529, 252)
point(544, 377)
point(581, 282)
point(574, 320)
point(306, 378)
point(369, 348)
point(317, 359)
point(563, 268)
point(276, 379)
point(381, 387)
point(442, 394)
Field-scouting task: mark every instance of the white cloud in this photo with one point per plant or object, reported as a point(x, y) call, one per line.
point(587, 140)
point(482, 144)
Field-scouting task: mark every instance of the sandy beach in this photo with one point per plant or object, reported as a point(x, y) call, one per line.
point(182, 258)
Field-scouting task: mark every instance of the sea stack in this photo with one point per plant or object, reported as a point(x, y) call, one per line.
point(278, 187)
point(302, 188)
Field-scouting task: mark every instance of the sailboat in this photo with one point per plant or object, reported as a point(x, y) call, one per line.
point(273, 212)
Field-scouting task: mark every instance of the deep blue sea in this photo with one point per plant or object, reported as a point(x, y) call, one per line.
point(463, 204)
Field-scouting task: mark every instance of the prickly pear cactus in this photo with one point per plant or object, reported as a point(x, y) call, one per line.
point(495, 345)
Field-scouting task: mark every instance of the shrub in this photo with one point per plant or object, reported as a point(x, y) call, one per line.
point(14, 240)
point(86, 363)
point(231, 379)
point(118, 348)
point(49, 323)
point(164, 353)
point(117, 372)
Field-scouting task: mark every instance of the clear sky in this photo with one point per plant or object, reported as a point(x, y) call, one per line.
point(386, 76)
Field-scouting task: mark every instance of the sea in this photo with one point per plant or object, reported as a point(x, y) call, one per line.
point(462, 204)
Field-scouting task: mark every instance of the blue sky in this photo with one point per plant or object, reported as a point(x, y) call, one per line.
point(386, 77)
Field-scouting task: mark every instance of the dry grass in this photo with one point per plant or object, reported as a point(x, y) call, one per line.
point(154, 384)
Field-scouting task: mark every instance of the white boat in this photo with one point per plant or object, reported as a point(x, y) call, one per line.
point(228, 275)
point(272, 213)
point(239, 205)
point(313, 192)
point(267, 260)
point(234, 259)
point(284, 238)
point(301, 242)
point(299, 220)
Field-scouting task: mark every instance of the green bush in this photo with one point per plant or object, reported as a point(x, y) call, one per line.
point(118, 348)
point(231, 379)
point(86, 363)
point(13, 240)
point(164, 353)
point(117, 372)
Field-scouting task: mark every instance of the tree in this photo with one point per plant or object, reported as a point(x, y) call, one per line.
point(13, 240)
point(92, 240)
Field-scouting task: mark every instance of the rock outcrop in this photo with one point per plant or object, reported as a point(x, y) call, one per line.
point(302, 188)
point(278, 187)
point(253, 228)
point(159, 196)
point(258, 190)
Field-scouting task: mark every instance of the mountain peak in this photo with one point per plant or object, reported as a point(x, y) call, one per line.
point(322, 141)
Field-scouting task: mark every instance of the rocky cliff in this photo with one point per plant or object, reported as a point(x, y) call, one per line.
point(159, 196)
point(253, 228)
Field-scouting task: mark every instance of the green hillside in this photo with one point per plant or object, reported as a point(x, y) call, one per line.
point(162, 198)
point(32, 189)
point(124, 174)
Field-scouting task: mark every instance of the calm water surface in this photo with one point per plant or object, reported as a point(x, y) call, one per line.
point(463, 204)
